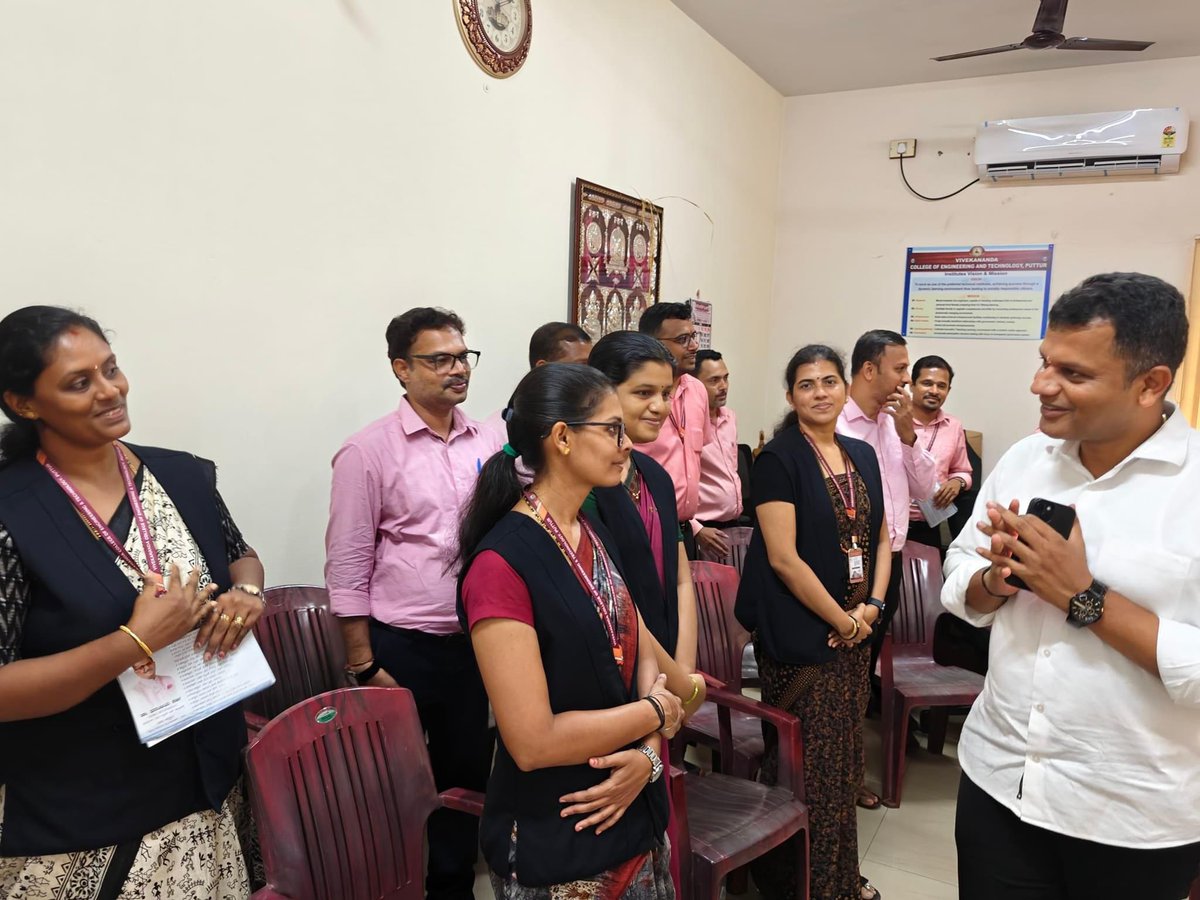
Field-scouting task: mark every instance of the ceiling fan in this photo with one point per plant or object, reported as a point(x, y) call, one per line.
point(1048, 34)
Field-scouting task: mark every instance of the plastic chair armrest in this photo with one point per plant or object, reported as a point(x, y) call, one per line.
point(791, 740)
point(462, 800)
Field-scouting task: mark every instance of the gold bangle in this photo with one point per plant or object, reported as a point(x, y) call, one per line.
point(852, 634)
point(696, 680)
point(145, 647)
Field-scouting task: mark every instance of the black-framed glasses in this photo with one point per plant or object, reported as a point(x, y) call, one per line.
point(616, 429)
point(683, 340)
point(443, 363)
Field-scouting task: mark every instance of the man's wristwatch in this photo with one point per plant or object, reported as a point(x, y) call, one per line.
point(656, 766)
point(1086, 607)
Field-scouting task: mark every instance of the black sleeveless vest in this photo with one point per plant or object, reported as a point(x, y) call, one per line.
point(81, 780)
point(580, 675)
point(657, 601)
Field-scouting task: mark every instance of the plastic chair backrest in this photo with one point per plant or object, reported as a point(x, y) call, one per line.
point(300, 638)
point(739, 542)
point(722, 639)
point(342, 789)
point(920, 599)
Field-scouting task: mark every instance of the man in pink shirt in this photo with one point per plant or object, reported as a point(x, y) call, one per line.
point(720, 503)
point(400, 488)
point(942, 436)
point(688, 428)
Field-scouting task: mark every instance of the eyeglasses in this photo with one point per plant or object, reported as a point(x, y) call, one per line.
point(683, 340)
point(616, 429)
point(443, 363)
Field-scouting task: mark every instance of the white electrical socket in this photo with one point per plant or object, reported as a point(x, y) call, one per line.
point(905, 148)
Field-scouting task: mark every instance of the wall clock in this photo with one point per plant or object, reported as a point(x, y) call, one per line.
point(496, 32)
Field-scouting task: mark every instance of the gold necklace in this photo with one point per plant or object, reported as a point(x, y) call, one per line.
point(633, 484)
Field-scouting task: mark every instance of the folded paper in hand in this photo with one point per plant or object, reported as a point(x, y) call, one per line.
point(181, 689)
point(933, 515)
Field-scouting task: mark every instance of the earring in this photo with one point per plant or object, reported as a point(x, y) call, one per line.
point(566, 451)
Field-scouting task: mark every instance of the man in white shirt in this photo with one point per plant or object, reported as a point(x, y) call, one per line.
point(1081, 758)
point(720, 503)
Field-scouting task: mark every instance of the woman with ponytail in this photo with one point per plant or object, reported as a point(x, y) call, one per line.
point(89, 527)
point(576, 804)
point(815, 570)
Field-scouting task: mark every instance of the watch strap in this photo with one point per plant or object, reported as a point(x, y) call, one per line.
point(656, 764)
point(365, 675)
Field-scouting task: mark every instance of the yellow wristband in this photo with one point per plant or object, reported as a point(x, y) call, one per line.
point(140, 642)
point(696, 679)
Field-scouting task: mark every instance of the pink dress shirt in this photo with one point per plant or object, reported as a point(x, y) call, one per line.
point(946, 441)
point(681, 441)
point(399, 492)
point(720, 484)
point(907, 471)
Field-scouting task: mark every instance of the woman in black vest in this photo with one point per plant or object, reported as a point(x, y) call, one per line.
point(814, 571)
point(87, 527)
point(576, 802)
point(640, 511)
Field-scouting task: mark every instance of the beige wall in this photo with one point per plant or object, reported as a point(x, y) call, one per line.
point(245, 192)
point(845, 218)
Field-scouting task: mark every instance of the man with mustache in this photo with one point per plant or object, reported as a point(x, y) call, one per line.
point(720, 502)
point(400, 488)
point(1081, 776)
point(688, 428)
point(942, 435)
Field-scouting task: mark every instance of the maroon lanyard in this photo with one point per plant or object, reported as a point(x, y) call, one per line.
point(850, 502)
point(98, 526)
point(585, 578)
point(929, 446)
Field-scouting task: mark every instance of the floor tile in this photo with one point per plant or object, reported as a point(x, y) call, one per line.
point(897, 884)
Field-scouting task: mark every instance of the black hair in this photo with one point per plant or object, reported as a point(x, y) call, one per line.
point(26, 338)
point(555, 392)
point(402, 331)
point(652, 319)
point(620, 353)
point(806, 356)
point(871, 346)
point(931, 362)
point(1148, 317)
point(543, 345)
point(703, 356)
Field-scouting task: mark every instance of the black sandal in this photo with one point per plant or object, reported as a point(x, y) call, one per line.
point(863, 883)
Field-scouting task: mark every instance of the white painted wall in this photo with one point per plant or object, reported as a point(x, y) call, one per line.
point(845, 217)
point(246, 191)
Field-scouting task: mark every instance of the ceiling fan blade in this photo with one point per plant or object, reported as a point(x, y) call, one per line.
point(1082, 43)
point(986, 52)
point(1050, 16)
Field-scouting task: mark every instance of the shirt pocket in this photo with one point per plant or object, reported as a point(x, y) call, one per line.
point(1148, 575)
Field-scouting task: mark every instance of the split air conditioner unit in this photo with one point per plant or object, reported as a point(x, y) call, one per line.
point(1092, 145)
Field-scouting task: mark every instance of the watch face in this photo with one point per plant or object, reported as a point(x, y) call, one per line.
point(1086, 608)
point(504, 23)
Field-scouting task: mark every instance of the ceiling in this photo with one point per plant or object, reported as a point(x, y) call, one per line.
point(811, 47)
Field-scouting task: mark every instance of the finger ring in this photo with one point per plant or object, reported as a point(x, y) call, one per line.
point(239, 622)
point(224, 618)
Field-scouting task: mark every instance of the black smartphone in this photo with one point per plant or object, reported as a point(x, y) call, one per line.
point(1057, 515)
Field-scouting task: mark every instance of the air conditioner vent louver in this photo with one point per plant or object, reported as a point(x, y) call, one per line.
point(1080, 168)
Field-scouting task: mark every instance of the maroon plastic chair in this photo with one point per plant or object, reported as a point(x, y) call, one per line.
point(739, 540)
point(299, 637)
point(722, 641)
point(341, 788)
point(723, 822)
point(909, 677)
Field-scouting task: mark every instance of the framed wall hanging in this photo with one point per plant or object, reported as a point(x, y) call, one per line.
point(616, 251)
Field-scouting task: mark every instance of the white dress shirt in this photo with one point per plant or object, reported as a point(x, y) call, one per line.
point(1069, 734)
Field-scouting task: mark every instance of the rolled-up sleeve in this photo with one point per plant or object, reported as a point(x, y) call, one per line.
point(960, 463)
point(962, 562)
point(354, 513)
point(1179, 661)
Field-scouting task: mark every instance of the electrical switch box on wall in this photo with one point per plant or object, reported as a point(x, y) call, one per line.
point(905, 148)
